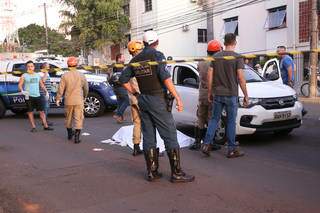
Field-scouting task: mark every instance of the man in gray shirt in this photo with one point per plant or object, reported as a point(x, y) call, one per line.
point(224, 76)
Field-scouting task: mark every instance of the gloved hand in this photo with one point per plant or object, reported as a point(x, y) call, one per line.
point(26, 94)
point(47, 96)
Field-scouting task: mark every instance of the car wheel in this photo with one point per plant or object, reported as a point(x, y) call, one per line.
point(2, 109)
point(284, 132)
point(19, 111)
point(94, 105)
point(221, 133)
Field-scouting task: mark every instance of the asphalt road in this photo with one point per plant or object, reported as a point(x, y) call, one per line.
point(43, 172)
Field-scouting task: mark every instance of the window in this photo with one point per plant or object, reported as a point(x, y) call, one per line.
point(202, 36)
point(22, 67)
point(148, 5)
point(271, 72)
point(231, 25)
point(186, 77)
point(126, 9)
point(128, 39)
point(277, 18)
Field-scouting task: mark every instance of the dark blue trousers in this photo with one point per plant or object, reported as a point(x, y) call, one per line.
point(154, 115)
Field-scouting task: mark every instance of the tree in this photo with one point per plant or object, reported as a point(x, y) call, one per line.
point(97, 22)
point(32, 38)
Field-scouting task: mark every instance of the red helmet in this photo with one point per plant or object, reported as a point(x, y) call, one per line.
point(72, 61)
point(214, 46)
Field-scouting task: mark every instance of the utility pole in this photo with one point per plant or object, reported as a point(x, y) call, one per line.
point(313, 47)
point(209, 8)
point(46, 26)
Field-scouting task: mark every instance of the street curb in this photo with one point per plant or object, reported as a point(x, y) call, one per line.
point(310, 100)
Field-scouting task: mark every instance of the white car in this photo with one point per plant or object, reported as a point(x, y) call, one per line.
point(274, 107)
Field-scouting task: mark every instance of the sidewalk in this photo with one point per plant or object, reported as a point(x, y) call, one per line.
point(310, 100)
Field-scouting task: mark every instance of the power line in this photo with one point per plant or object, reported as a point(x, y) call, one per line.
point(203, 18)
point(197, 19)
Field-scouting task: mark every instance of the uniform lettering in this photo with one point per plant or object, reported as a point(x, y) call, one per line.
point(144, 70)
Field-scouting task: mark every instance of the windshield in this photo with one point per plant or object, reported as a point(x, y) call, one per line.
point(251, 75)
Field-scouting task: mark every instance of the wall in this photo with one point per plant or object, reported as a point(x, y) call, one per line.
point(253, 36)
point(167, 18)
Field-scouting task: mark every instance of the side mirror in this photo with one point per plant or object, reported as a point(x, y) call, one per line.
point(190, 82)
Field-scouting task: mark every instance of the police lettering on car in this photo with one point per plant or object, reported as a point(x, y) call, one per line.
point(154, 81)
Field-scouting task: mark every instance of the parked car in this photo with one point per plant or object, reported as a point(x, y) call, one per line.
point(273, 106)
point(100, 97)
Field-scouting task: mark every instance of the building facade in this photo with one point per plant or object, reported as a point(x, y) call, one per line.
point(181, 26)
point(185, 26)
point(263, 25)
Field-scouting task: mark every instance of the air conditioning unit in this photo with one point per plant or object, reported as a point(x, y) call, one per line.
point(185, 28)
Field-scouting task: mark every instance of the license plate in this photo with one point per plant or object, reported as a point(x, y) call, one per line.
point(282, 115)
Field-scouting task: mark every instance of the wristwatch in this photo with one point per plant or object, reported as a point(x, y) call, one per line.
point(136, 94)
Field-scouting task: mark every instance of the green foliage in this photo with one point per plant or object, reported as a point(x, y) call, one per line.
point(32, 37)
point(99, 22)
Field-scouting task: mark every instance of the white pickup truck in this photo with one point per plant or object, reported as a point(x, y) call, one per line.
point(274, 107)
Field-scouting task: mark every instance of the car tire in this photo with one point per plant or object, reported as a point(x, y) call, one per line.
point(284, 132)
point(19, 111)
point(221, 133)
point(2, 109)
point(94, 105)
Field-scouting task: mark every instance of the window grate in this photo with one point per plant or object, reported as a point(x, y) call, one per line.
point(148, 5)
point(202, 36)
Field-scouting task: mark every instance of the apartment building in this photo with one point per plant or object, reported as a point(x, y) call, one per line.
point(263, 25)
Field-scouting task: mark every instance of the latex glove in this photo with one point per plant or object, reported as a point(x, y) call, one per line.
point(47, 96)
point(26, 94)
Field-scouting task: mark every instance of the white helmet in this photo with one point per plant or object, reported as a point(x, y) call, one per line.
point(150, 37)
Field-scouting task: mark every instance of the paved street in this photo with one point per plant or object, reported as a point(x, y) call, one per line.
point(42, 172)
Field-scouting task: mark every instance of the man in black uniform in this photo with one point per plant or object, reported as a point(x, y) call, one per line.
point(154, 81)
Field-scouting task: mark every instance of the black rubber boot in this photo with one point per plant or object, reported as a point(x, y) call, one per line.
point(177, 175)
point(152, 160)
point(197, 137)
point(70, 133)
point(136, 150)
point(77, 136)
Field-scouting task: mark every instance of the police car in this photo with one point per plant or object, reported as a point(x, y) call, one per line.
point(273, 106)
point(100, 97)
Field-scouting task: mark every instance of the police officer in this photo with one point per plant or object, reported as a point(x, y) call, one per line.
point(134, 48)
point(204, 108)
point(74, 86)
point(154, 81)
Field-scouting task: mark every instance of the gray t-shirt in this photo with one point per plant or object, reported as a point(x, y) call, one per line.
point(225, 73)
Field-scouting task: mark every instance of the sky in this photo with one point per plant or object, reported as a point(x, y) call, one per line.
point(31, 11)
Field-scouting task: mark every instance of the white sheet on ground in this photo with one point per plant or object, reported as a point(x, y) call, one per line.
point(123, 137)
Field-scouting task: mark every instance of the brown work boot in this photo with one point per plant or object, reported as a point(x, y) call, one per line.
point(235, 153)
